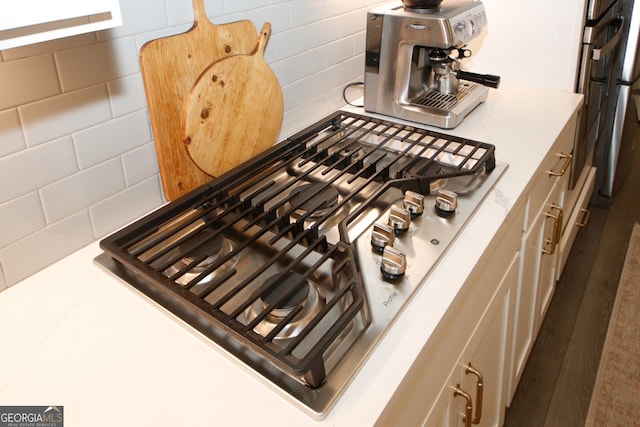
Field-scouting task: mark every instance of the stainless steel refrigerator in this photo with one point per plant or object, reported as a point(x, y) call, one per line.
point(615, 158)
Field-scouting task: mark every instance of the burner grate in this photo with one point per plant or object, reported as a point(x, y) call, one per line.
point(286, 217)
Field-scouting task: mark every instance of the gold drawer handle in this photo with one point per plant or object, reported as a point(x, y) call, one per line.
point(479, 390)
point(585, 218)
point(468, 404)
point(557, 229)
point(567, 163)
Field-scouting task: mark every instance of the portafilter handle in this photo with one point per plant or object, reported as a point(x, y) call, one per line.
point(483, 79)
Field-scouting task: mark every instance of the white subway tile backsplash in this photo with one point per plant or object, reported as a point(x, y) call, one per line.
point(77, 158)
point(81, 190)
point(352, 22)
point(124, 207)
point(127, 95)
point(140, 164)
point(324, 32)
point(235, 6)
point(11, 138)
point(354, 68)
point(284, 71)
point(143, 38)
point(98, 63)
point(278, 15)
point(340, 51)
point(48, 245)
point(289, 125)
point(111, 139)
point(290, 43)
point(214, 8)
point(309, 63)
point(62, 115)
point(20, 217)
point(138, 16)
point(26, 80)
point(31, 169)
point(304, 12)
point(179, 12)
point(359, 41)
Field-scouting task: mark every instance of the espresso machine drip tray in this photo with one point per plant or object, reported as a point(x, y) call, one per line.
point(455, 104)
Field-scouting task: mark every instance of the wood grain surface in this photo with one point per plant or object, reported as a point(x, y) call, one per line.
point(234, 110)
point(170, 66)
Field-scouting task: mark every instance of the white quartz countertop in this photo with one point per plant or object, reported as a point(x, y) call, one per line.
point(74, 336)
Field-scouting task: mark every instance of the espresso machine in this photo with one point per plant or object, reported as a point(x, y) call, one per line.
point(414, 50)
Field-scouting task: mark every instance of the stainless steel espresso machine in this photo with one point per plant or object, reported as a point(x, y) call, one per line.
point(413, 69)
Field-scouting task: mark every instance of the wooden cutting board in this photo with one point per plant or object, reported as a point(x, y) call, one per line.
point(170, 66)
point(234, 110)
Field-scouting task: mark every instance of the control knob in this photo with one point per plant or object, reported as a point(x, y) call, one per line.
point(414, 203)
point(382, 236)
point(394, 263)
point(446, 203)
point(399, 219)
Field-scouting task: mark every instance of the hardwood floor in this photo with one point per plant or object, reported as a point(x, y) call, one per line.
point(556, 385)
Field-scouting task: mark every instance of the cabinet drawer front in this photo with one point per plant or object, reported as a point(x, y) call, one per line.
point(573, 225)
point(555, 166)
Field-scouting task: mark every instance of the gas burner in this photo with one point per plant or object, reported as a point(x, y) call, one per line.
point(215, 248)
point(313, 201)
point(291, 296)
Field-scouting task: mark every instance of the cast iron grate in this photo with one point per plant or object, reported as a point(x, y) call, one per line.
point(255, 206)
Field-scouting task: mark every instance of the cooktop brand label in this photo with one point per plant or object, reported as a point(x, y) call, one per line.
point(31, 416)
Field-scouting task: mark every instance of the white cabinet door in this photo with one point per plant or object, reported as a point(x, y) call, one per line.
point(482, 363)
point(550, 223)
point(538, 278)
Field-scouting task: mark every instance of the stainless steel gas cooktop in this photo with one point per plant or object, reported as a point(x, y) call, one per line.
point(296, 262)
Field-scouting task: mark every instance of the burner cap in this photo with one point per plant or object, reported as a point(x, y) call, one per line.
point(210, 249)
point(312, 195)
point(286, 284)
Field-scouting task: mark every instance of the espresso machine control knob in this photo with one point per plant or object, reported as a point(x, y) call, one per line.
point(381, 237)
point(394, 263)
point(399, 219)
point(446, 203)
point(460, 27)
point(414, 203)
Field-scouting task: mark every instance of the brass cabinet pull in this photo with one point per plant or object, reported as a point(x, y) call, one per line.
point(557, 229)
point(567, 163)
point(585, 218)
point(479, 390)
point(457, 391)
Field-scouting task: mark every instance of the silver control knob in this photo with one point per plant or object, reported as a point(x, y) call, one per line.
point(382, 236)
point(394, 263)
point(414, 203)
point(399, 219)
point(446, 203)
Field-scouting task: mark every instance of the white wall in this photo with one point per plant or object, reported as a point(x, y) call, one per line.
point(77, 158)
point(536, 43)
